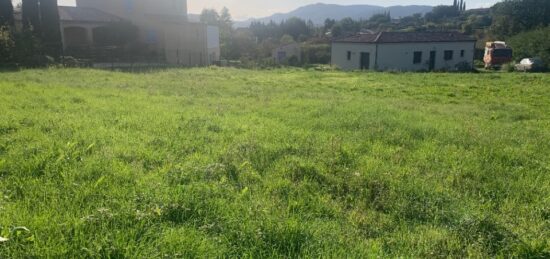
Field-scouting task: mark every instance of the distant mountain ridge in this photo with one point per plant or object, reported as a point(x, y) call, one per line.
point(318, 13)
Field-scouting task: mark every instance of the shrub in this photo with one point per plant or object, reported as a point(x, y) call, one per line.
point(316, 54)
point(509, 67)
point(293, 61)
point(532, 44)
point(479, 64)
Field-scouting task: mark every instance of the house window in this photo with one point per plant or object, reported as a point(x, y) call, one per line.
point(417, 57)
point(349, 55)
point(462, 53)
point(448, 55)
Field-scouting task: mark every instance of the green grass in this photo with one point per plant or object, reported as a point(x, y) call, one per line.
point(281, 163)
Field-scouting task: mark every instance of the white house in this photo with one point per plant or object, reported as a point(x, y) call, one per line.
point(405, 51)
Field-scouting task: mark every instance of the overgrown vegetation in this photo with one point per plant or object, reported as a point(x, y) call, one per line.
point(38, 42)
point(6, 13)
point(511, 17)
point(534, 43)
point(35, 41)
point(503, 21)
point(281, 163)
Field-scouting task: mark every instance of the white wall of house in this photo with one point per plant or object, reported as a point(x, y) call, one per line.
point(339, 55)
point(400, 56)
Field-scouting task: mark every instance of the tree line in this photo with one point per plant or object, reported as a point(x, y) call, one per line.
point(525, 25)
point(522, 22)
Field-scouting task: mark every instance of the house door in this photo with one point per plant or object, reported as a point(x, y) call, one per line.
point(365, 60)
point(432, 60)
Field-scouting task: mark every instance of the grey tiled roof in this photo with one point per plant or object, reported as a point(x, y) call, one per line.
point(408, 37)
point(360, 38)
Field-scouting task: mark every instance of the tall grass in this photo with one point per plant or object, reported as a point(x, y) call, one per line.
point(282, 163)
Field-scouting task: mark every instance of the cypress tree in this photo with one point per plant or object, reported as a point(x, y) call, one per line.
point(464, 6)
point(6, 13)
point(51, 32)
point(31, 16)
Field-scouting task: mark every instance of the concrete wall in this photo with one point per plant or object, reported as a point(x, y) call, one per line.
point(399, 56)
point(185, 44)
point(339, 55)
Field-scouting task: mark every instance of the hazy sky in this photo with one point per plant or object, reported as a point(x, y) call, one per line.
point(242, 9)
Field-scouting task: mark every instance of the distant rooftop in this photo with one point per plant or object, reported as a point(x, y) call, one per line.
point(408, 37)
point(85, 14)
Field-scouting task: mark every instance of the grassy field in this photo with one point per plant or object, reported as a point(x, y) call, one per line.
point(283, 163)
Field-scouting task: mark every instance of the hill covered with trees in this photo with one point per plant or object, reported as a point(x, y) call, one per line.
point(318, 13)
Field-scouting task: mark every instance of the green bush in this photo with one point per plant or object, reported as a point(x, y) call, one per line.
point(508, 67)
point(532, 44)
point(316, 53)
point(293, 61)
point(479, 64)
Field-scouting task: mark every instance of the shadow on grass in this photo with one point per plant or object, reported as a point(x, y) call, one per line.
point(8, 69)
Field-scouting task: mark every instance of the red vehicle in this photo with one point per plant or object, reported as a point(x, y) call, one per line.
point(497, 54)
